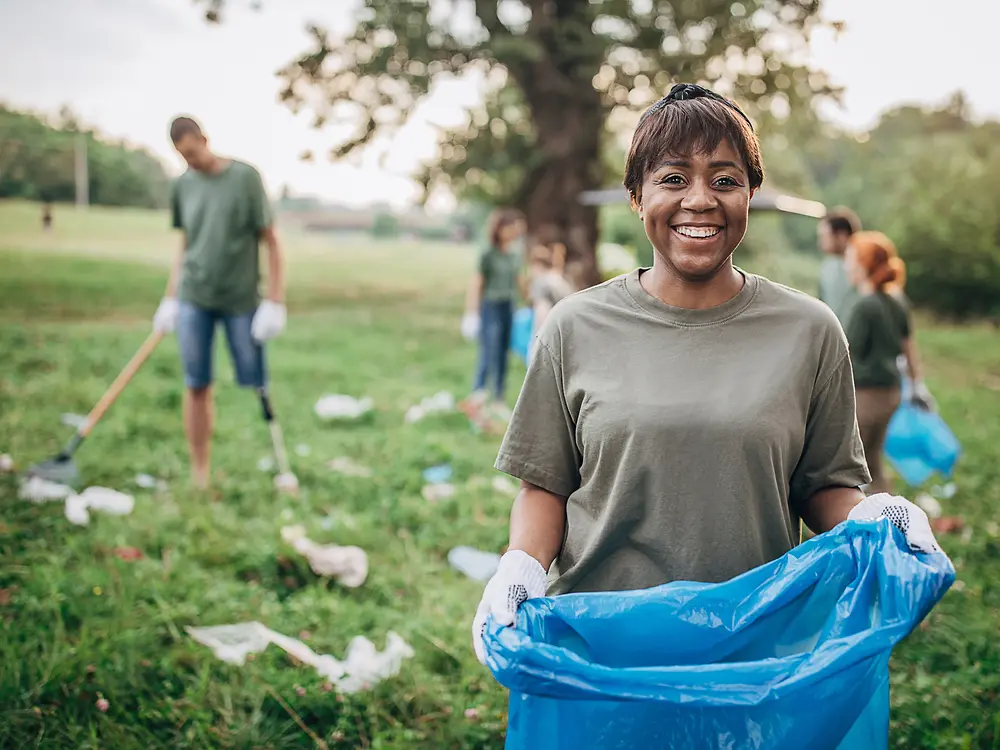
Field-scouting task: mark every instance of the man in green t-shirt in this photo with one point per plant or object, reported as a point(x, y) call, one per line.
point(834, 233)
point(222, 210)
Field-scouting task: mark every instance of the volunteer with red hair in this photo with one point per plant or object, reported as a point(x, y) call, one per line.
point(878, 330)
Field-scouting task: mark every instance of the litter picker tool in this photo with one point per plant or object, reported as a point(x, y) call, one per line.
point(61, 468)
point(285, 481)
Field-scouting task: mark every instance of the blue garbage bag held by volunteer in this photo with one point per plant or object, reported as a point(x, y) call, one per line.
point(794, 653)
point(918, 443)
point(521, 332)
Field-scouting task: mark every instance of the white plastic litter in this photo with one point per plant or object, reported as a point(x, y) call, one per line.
point(439, 403)
point(362, 668)
point(39, 490)
point(287, 483)
point(504, 485)
point(434, 493)
point(101, 499)
point(149, 482)
point(76, 421)
point(349, 565)
point(338, 406)
point(266, 463)
point(476, 564)
point(348, 468)
point(6, 463)
point(929, 505)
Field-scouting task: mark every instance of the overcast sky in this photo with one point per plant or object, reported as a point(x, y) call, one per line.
point(128, 66)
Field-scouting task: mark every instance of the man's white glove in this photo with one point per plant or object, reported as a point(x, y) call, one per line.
point(906, 516)
point(470, 326)
point(519, 577)
point(268, 321)
point(922, 397)
point(165, 318)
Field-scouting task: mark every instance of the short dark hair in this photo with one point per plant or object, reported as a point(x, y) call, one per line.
point(500, 218)
point(182, 126)
point(682, 126)
point(842, 220)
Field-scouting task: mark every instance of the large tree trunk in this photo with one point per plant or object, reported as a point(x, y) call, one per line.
point(568, 118)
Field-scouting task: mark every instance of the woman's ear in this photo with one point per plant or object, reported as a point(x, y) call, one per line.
point(753, 192)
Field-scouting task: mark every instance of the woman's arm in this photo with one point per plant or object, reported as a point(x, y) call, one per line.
point(828, 507)
point(912, 361)
point(537, 523)
point(474, 293)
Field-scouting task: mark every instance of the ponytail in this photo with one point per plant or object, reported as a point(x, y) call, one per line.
point(877, 256)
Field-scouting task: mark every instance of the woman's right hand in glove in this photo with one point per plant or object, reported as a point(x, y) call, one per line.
point(519, 577)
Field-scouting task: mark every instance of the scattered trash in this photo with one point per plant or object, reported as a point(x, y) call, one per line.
point(102, 704)
point(128, 554)
point(302, 450)
point(437, 474)
point(434, 493)
point(97, 498)
point(362, 668)
point(438, 403)
point(287, 483)
point(929, 505)
point(349, 565)
point(266, 463)
point(39, 490)
point(76, 421)
point(338, 406)
point(505, 485)
point(947, 524)
point(6, 463)
point(944, 492)
point(476, 564)
point(148, 482)
point(348, 468)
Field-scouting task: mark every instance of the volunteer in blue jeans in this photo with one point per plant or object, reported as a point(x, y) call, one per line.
point(489, 310)
point(680, 422)
point(222, 210)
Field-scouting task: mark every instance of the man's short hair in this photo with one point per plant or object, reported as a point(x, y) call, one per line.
point(843, 221)
point(182, 126)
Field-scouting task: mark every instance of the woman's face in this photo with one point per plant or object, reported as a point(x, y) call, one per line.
point(855, 273)
point(694, 210)
point(510, 232)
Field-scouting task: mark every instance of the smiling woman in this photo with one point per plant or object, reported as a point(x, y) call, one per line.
point(680, 422)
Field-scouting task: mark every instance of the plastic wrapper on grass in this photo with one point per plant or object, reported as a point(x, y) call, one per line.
point(341, 408)
point(348, 565)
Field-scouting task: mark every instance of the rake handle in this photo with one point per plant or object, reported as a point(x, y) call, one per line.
point(115, 389)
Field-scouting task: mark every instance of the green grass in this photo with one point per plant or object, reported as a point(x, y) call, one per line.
point(367, 319)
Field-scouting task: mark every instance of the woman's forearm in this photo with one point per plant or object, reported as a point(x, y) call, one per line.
point(828, 507)
point(912, 363)
point(537, 523)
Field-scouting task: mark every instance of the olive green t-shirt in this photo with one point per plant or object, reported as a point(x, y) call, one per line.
point(500, 271)
point(835, 289)
point(685, 440)
point(222, 216)
point(876, 330)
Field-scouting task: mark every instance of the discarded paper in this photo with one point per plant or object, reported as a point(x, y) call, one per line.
point(339, 406)
point(101, 499)
point(438, 403)
point(6, 464)
point(349, 565)
point(363, 665)
point(39, 490)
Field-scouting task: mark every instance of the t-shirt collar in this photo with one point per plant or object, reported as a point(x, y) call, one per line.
point(682, 316)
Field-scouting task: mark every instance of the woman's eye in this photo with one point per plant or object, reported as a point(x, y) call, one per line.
point(727, 182)
point(671, 179)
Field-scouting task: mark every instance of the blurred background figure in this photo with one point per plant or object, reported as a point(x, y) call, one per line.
point(834, 232)
point(546, 284)
point(489, 308)
point(46, 216)
point(879, 330)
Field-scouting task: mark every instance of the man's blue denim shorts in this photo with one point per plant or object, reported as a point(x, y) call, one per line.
point(196, 337)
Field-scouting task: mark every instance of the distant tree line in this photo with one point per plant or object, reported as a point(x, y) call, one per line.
point(37, 162)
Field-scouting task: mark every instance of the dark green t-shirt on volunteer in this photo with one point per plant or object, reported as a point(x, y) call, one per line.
point(500, 270)
point(222, 216)
point(878, 325)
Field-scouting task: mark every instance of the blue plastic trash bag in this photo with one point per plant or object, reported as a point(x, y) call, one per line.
point(520, 336)
point(793, 654)
point(918, 443)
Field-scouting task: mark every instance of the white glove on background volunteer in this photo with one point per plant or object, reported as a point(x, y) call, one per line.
point(165, 318)
point(268, 321)
point(922, 396)
point(519, 577)
point(470, 326)
point(906, 516)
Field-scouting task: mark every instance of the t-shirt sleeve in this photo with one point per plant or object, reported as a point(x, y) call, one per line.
point(832, 453)
point(482, 266)
point(261, 205)
point(176, 220)
point(540, 444)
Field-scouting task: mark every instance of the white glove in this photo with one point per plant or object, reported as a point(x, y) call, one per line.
point(519, 577)
point(268, 321)
point(470, 326)
point(906, 516)
point(922, 397)
point(165, 318)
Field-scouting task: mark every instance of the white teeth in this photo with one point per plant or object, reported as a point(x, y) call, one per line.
point(698, 232)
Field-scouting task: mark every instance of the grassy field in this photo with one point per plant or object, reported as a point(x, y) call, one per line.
point(370, 319)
